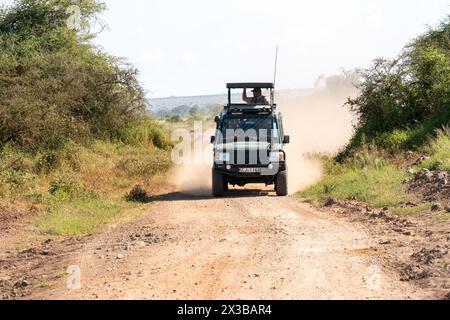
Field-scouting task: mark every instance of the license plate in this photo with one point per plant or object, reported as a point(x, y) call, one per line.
point(250, 170)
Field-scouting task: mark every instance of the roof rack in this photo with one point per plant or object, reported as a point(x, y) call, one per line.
point(253, 85)
point(249, 108)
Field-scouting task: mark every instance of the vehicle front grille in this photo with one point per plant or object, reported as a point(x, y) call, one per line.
point(250, 157)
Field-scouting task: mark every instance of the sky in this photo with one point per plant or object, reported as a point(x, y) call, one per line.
point(195, 47)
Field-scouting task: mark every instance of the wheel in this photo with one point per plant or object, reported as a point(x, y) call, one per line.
point(281, 184)
point(218, 184)
point(225, 185)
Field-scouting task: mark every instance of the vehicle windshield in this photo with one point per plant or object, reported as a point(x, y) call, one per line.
point(260, 128)
point(236, 96)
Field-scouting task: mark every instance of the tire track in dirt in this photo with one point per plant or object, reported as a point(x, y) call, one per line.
point(239, 247)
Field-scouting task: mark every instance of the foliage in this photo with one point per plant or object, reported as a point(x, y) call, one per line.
point(145, 132)
point(74, 134)
point(406, 211)
point(81, 216)
point(367, 179)
point(54, 85)
point(137, 194)
point(403, 101)
point(439, 149)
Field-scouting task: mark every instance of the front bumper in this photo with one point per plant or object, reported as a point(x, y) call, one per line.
point(251, 171)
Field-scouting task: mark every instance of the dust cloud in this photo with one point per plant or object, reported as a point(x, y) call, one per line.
point(193, 177)
point(316, 121)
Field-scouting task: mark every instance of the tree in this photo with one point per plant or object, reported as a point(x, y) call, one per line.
point(408, 97)
point(54, 84)
point(194, 111)
point(174, 119)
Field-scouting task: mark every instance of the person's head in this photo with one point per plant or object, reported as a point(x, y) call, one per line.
point(257, 92)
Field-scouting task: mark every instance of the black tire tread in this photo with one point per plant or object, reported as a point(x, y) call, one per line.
point(218, 185)
point(281, 184)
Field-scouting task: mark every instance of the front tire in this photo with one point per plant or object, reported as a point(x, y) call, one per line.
point(281, 184)
point(218, 184)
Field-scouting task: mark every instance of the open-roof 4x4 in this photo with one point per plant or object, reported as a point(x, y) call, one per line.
point(244, 158)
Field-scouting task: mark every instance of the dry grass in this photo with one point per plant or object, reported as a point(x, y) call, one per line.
point(83, 187)
point(408, 211)
point(378, 186)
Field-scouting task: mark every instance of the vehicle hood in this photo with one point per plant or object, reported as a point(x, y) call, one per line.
point(238, 146)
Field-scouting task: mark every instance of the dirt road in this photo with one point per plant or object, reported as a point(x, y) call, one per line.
point(249, 245)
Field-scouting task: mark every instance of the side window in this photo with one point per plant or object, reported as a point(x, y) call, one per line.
point(275, 130)
point(281, 126)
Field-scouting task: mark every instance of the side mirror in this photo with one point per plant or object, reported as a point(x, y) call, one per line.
point(217, 119)
point(213, 139)
point(287, 140)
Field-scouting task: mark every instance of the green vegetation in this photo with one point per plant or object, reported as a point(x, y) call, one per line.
point(137, 194)
point(79, 188)
point(55, 86)
point(75, 136)
point(403, 101)
point(406, 211)
point(439, 150)
point(443, 217)
point(81, 216)
point(184, 117)
point(365, 177)
point(403, 104)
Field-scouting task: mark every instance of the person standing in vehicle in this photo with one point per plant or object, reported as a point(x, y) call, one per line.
point(257, 99)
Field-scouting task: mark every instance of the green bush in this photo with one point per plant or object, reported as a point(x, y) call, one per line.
point(378, 186)
point(47, 162)
point(138, 194)
point(63, 186)
point(144, 165)
point(55, 86)
point(403, 101)
point(160, 138)
point(146, 132)
point(15, 173)
point(395, 140)
point(74, 135)
point(440, 152)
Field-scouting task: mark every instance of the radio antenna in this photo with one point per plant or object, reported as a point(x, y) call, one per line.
point(275, 71)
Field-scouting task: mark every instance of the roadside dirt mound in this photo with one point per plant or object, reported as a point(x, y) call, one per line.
point(39, 266)
point(432, 186)
point(417, 245)
point(10, 217)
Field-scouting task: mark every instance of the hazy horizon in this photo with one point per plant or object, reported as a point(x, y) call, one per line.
point(193, 48)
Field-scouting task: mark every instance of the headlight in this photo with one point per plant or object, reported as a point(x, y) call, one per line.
point(277, 156)
point(223, 156)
